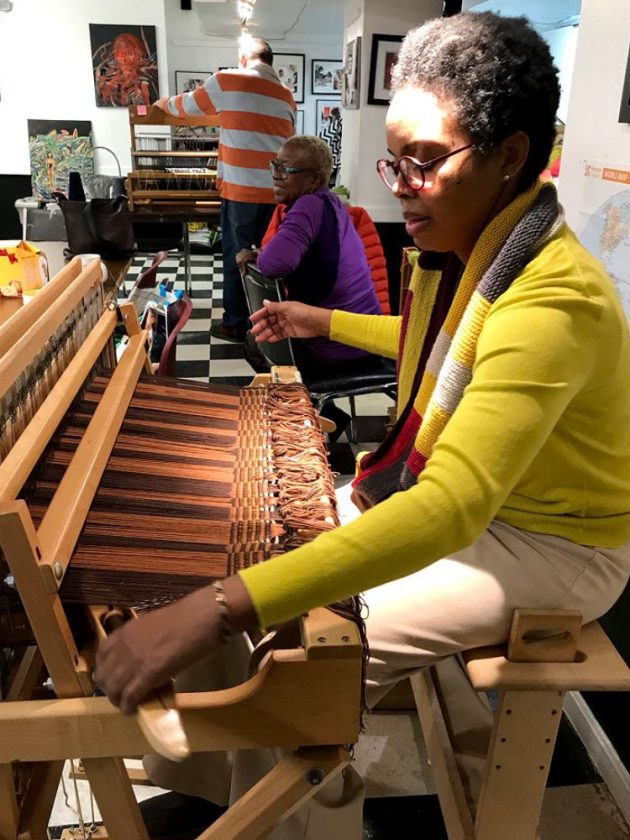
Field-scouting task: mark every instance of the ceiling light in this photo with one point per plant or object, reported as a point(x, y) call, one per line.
point(245, 9)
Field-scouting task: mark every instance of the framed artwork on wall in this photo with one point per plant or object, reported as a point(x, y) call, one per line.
point(382, 60)
point(351, 88)
point(624, 111)
point(187, 80)
point(57, 148)
point(323, 112)
point(124, 64)
point(290, 69)
point(326, 76)
point(299, 121)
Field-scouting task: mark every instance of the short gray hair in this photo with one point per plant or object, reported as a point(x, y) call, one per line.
point(316, 153)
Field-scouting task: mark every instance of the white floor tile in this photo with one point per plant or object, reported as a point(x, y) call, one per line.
point(193, 352)
point(229, 367)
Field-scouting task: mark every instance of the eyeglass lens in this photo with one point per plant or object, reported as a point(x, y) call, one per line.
point(411, 173)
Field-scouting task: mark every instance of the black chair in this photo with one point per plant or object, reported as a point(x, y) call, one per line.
point(372, 375)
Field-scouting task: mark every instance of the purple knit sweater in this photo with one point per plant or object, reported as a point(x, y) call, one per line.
point(322, 260)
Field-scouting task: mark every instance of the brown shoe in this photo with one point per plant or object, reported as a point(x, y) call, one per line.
point(235, 334)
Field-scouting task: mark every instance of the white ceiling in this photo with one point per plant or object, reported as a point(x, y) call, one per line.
point(309, 20)
point(304, 20)
point(544, 14)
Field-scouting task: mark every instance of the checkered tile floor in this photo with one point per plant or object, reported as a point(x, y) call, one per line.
point(198, 356)
point(203, 358)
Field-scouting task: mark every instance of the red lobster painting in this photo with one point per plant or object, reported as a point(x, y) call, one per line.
point(125, 65)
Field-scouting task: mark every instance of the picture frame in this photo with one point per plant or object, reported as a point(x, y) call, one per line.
point(137, 86)
point(290, 69)
point(383, 57)
point(322, 112)
point(188, 80)
point(326, 76)
point(624, 109)
point(299, 121)
point(351, 90)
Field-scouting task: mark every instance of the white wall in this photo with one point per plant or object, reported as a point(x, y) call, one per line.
point(46, 72)
point(363, 139)
point(592, 131)
point(562, 43)
point(189, 48)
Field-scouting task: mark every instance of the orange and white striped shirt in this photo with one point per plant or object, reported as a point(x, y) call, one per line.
point(256, 114)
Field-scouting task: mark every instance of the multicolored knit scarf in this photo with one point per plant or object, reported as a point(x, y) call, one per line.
point(430, 385)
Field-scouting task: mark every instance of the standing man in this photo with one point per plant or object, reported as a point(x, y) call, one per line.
point(256, 114)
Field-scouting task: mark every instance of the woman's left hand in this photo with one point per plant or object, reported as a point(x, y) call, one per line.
point(144, 654)
point(244, 256)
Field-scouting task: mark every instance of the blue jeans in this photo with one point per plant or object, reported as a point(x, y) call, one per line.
point(242, 225)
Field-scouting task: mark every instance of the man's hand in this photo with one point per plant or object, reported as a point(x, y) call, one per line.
point(162, 104)
point(145, 653)
point(289, 319)
point(244, 256)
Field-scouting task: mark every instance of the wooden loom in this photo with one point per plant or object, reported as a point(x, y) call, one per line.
point(282, 705)
point(174, 171)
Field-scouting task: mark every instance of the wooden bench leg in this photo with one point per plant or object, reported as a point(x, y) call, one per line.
point(291, 783)
point(9, 813)
point(448, 784)
point(523, 739)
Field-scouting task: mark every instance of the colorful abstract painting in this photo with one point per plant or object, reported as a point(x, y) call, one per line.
point(57, 148)
point(124, 63)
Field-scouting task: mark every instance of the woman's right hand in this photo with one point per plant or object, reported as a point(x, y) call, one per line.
point(289, 319)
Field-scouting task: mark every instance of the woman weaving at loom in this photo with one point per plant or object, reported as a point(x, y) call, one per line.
point(506, 480)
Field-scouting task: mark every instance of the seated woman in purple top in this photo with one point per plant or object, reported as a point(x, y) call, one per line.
point(316, 249)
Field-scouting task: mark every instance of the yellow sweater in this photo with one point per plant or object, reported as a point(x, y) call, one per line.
point(540, 440)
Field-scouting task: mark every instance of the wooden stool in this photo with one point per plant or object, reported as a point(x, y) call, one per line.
point(546, 656)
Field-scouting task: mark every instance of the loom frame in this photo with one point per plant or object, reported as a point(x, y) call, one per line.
point(286, 693)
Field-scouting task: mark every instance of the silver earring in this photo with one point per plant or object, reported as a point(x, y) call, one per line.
point(506, 178)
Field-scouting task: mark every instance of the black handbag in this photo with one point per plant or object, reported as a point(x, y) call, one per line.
point(100, 226)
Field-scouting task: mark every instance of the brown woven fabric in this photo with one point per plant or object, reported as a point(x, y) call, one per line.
point(201, 482)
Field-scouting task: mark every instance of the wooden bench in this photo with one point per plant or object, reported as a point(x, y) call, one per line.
point(547, 655)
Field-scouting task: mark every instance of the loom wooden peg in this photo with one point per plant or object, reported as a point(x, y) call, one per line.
point(158, 718)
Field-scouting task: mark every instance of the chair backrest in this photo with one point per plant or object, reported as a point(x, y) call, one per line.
point(257, 288)
point(177, 314)
point(147, 279)
point(374, 253)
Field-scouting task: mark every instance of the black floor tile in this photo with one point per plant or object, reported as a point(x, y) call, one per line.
point(226, 351)
point(201, 312)
point(192, 368)
point(370, 428)
point(341, 458)
point(403, 818)
point(198, 337)
point(571, 764)
point(239, 381)
point(201, 294)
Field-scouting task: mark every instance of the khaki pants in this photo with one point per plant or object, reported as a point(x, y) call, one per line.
point(457, 603)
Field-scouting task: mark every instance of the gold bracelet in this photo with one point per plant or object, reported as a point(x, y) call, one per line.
point(224, 617)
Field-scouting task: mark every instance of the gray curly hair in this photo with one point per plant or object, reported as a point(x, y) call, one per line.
point(316, 154)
